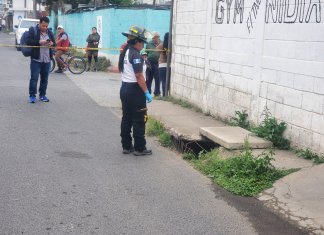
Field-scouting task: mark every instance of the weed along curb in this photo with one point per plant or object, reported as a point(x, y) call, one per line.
point(242, 174)
point(247, 174)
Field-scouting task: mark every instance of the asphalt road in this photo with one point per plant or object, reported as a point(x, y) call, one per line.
point(62, 171)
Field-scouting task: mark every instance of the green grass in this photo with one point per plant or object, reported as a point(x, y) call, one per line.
point(156, 128)
point(309, 155)
point(245, 175)
point(165, 140)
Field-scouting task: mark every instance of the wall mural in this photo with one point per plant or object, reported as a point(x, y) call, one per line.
point(277, 11)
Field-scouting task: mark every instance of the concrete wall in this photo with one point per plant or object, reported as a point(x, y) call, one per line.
point(251, 54)
point(114, 22)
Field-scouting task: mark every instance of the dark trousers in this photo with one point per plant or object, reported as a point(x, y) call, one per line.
point(153, 73)
point(134, 115)
point(36, 69)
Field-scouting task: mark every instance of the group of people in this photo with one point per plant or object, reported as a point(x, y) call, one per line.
point(155, 63)
point(157, 58)
point(62, 43)
point(134, 92)
point(41, 55)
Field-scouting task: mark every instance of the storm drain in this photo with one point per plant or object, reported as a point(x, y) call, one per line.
point(193, 146)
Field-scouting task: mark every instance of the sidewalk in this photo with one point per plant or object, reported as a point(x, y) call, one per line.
point(298, 196)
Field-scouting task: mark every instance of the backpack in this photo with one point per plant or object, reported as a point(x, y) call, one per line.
point(27, 51)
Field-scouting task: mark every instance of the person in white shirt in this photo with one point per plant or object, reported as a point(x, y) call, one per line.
point(133, 93)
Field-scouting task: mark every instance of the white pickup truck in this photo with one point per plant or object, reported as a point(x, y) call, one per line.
point(23, 26)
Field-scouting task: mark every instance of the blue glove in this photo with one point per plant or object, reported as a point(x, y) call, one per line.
point(149, 97)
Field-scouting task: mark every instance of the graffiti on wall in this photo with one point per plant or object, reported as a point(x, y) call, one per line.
point(276, 11)
point(282, 11)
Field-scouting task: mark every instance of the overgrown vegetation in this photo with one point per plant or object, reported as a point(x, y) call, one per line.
point(245, 175)
point(309, 155)
point(241, 119)
point(156, 128)
point(271, 129)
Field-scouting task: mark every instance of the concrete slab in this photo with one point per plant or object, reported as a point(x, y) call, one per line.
point(300, 197)
point(182, 122)
point(233, 137)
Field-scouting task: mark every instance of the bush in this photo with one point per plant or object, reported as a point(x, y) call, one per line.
point(240, 119)
point(272, 130)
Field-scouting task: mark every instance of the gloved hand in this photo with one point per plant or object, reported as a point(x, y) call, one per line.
point(149, 97)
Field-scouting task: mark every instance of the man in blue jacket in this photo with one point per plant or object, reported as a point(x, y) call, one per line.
point(41, 56)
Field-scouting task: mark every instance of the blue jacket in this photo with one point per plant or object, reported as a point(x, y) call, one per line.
point(34, 38)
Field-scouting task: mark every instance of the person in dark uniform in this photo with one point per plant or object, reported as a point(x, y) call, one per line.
point(133, 93)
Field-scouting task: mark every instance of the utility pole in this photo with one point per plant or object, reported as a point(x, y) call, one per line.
point(169, 53)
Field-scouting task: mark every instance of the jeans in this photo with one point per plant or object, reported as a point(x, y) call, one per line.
point(134, 116)
point(36, 69)
point(162, 76)
point(153, 73)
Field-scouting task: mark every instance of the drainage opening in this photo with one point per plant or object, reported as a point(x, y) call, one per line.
point(195, 147)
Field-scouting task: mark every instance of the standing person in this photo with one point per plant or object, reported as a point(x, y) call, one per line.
point(93, 42)
point(163, 47)
point(133, 94)
point(153, 57)
point(40, 59)
point(62, 43)
point(146, 63)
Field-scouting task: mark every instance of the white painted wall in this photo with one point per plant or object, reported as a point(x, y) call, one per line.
point(235, 55)
point(20, 11)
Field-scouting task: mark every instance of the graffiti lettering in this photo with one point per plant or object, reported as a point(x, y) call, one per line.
point(281, 11)
point(277, 11)
point(238, 10)
point(254, 10)
point(219, 12)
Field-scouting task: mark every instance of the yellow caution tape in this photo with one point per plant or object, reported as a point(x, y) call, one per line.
point(78, 48)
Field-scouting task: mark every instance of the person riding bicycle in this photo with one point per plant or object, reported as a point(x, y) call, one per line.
point(62, 43)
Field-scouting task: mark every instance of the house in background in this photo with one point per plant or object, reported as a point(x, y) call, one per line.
point(14, 10)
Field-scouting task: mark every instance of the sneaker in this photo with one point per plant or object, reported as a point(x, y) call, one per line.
point(32, 99)
point(59, 71)
point(144, 152)
point(43, 98)
point(128, 151)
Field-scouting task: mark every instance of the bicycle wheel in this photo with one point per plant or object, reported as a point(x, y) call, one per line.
point(53, 64)
point(77, 65)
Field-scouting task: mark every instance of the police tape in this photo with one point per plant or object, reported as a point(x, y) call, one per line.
point(79, 48)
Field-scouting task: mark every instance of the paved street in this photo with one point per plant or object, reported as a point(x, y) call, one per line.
point(62, 171)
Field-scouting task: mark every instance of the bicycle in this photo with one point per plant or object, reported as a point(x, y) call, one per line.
point(75, 64)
